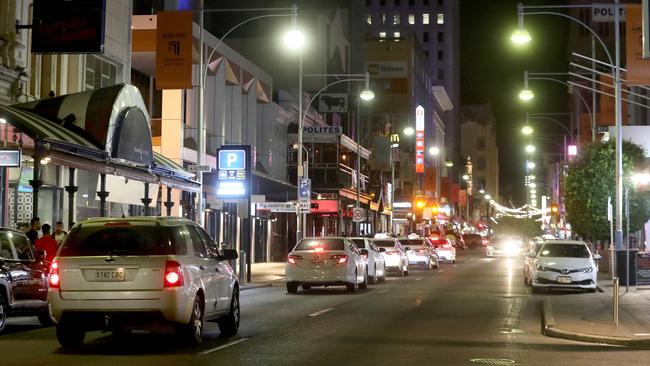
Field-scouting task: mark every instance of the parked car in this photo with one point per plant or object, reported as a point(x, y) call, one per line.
point(564, 264)
point(529, 259)
point(149, 273)
point(23, 278)
point(420, 253)
point(444, 249)
point(394, 255)
point(326, 261)
point(376, 261)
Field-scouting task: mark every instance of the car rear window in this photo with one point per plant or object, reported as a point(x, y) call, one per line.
point(564, 251)
point(320, 244)
point(120, 241)
point(411, 242)
point(385, 243)
point(360, 243)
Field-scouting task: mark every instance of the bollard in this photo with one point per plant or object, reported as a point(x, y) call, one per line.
point(615, 292)
point(242, 266)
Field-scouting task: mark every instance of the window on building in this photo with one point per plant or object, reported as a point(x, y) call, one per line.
point(411, 19)
point(441, 55)
point(396, 35)
point(441, 37)
point(100, 73)
point(382, 34)
point(425, 37)
point(369, 19)
point(396, 19)
point(425, 18)
point(383, 18)
point(441, 74)
point(440, 19)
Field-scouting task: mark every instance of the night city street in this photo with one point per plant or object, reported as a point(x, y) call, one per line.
point(477, 308)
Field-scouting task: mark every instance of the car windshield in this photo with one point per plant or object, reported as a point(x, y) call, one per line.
point(360, 243)
point(320, 244)
point(385, 243)
point(565, 251)
point(117, 240)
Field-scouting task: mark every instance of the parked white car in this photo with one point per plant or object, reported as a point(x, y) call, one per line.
point(564, 264)
point(326, 261)
point(420, 253)
point(146, 273)
point(394, 254)
point(376, 261)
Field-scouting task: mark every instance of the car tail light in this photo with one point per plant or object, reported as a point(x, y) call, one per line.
point(173, 274)
point(55, 279)
point(340, 258)
point(292, 258)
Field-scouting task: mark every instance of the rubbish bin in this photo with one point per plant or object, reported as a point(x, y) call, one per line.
point(621, 269)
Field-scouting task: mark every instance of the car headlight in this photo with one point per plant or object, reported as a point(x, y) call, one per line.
point(587, 269)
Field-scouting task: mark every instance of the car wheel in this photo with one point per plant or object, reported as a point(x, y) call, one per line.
point(383, 274)
point(70, 335)
point(292, 287)
point(352, 287)
point(306, 287)
point(44, 318)
point(3, 313)
point(229, 325)
point(406, 271)
point(193, 331)
point(373, 279)
point(364, 284)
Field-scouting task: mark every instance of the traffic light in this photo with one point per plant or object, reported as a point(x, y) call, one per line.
point(419, 204)
point(434, 210)
point(555, 211)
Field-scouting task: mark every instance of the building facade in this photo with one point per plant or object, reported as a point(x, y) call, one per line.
point(479, 145)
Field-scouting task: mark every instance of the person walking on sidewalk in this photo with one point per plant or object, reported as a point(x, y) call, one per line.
point(47, 244)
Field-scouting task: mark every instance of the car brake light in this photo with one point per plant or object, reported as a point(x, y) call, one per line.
point(173, 274)
point(292, 258)
point(342, 258)
point(55, 279)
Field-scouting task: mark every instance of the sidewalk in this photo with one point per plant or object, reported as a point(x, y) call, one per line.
point(588, 317)
point(265, 275)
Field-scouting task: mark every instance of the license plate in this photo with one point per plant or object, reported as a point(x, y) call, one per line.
point(108, 276)
point(564, 279)
point(317, 262)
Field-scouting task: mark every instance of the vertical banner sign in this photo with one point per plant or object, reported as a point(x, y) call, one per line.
point(638, 69)
point(419, 139)
point(304, 194)
point(174, 50)
point(233, 172)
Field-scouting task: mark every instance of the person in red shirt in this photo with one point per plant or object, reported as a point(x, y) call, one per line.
point(47, 243)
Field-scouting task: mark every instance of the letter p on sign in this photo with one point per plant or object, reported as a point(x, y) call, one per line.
point(232, 159)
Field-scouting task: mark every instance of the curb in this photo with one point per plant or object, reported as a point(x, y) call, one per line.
point(550, 330)
point(254, 286)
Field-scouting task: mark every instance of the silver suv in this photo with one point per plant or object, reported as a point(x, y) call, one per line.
point(146, 273)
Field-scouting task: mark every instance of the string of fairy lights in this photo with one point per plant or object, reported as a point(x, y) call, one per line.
point(523, 212)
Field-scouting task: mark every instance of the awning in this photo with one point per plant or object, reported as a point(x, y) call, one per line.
point(173, 175)
point(58, 137)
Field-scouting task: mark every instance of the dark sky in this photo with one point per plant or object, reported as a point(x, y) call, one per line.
point(492, 72)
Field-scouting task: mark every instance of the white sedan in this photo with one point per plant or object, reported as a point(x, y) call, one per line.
point(376, 261)
point(326, 261)
point(564, 264)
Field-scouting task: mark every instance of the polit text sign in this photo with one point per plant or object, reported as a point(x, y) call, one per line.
point(419, 139)
point(233, 172)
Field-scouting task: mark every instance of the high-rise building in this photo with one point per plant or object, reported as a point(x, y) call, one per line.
point(435, 24)
point(479, 145)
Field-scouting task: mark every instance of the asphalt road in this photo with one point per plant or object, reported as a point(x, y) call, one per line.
point(473, 312)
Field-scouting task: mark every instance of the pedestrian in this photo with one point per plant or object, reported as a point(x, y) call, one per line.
point(59, 233)
point(47, 243)
point(32, 234)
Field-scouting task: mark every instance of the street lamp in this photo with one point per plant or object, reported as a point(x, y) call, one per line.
point(465, 177)
point(449, 163)
point(435, 151)
point(488, 197)
point(520, 36)
point(294, 40)
point(530, 165)
point(530, 149)
point(526, 95)
point(527, 130)
point(481, 191)
point(409, 131)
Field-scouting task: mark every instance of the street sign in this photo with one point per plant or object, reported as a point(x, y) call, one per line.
point(305, 188)
point(358, 214)
point(605, 13)
point(198, 168)
point(286, 207)
point(233, 171)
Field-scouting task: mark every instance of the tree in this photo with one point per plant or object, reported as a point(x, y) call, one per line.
point(591, 179)
point(526, 227)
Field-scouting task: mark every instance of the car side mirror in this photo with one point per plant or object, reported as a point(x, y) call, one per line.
point(381, 250)
point(229, 255)
point(364, 251)
point(597, 257)
point(39, 255)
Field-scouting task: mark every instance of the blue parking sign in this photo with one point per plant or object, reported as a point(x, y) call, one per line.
point(232, 160)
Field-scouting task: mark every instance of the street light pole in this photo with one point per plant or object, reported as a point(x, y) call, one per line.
point(358, 186)
point(299, 163)
point(619, 131)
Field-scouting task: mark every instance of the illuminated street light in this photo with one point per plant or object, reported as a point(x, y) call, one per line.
point(465, 177)
point(520, 36)
point(488, 197)
point(533, 191)
point(526, 95)
point(408, 131)
point(449, 163)
point(532, 177)
point(294, 40)
point(367, 95)
point(434, 151)
point(527, 130)
point(481, 191)
point(530, 165)
point(532, 185)
point(530, 149)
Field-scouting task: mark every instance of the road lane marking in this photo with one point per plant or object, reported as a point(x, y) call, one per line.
point(321, 312)
point(419, 278)
point(383, 291)
point(215, 349)
point(440, 271)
